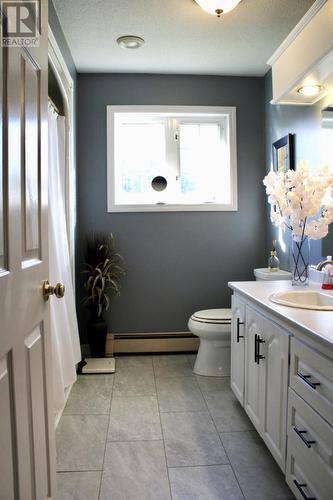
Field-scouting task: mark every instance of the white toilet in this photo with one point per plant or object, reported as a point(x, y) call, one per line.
point(213, 327)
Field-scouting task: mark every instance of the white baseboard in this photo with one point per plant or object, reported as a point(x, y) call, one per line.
point(147, 343)
point(151, 342)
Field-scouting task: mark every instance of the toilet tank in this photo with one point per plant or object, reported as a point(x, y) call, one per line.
point(264, 274)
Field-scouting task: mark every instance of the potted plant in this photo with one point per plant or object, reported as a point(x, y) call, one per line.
point(103, 272)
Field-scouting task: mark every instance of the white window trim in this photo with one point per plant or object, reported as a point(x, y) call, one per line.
point(226, 110)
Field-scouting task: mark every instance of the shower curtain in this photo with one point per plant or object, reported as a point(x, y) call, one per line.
point(66, 349)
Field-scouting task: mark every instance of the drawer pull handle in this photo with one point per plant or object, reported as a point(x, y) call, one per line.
point(306, 378)
point(300, 487)
point(239, 322)
point(301, 435)
point(257, 356)
point(255, 347)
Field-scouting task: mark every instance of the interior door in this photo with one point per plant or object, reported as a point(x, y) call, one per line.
point(253, 397)
point(26, 415)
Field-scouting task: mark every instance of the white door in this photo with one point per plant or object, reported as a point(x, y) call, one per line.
point(237, 348)
point(274, 377)
point(26, 430)
point(254, 327)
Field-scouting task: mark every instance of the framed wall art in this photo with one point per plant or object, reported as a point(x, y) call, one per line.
point(283, 154)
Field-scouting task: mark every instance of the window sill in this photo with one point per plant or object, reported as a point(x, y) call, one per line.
point(209, 207)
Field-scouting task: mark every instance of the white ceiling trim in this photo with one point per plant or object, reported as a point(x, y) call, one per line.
point(297, 30)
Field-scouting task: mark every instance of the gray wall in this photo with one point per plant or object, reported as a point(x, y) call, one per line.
point(177, 262)
point(305, 123)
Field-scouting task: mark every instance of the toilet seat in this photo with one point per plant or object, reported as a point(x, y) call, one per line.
point(213, 316)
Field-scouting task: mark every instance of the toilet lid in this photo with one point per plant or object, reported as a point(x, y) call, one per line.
point(213, 316)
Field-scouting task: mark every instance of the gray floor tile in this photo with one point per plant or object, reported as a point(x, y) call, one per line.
point(135, 465)
point(204, 483)
point(191, 359)
point(213, 384)
point(179, 394)
point(263, 483)
point(191, 439)
point(81, 442)
point(258, 474)
point(134, 384)
point(134, 418)
point(91, 394)
point(176, 365)
point(135, 471)
point(246, 449)
point(138, 364)
point(226, 411)
point(78, 485)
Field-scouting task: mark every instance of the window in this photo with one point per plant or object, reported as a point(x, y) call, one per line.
point(163, 158)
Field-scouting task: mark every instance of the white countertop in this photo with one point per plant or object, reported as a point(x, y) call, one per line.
point(315, 323)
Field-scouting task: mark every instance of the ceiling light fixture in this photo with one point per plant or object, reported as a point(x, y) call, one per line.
point(218, 7)
point(310, 90)
point(130, 42)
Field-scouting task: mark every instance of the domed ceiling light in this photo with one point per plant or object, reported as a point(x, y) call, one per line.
point(310, 90)
point(218, 7)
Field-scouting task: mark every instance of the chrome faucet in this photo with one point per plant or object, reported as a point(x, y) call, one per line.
point(324, 263)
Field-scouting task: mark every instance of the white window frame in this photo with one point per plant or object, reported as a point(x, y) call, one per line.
point(229, 111)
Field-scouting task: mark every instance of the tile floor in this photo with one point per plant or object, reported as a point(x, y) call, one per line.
point(155, 431)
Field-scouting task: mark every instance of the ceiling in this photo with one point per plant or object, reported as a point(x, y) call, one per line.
point(180, 37)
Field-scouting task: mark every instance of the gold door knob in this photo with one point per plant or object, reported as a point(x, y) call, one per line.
point(58, 290)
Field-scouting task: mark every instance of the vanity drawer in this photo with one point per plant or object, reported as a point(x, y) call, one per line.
point(311, 376)
point(310, 451)
point(299, 478)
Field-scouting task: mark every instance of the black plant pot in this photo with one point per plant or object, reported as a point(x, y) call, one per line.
point(97, 331)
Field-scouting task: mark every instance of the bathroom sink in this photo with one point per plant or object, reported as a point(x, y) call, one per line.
point(317, 301)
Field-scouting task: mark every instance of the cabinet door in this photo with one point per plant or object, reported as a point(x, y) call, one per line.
point(254, 327)
point(274, 377)
point(237, 348)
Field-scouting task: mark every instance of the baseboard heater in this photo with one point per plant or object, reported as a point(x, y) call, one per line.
point(122, 343)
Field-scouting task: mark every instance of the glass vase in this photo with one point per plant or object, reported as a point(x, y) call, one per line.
point(300, 259)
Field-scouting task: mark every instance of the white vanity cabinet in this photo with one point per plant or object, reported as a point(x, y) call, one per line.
point(266, 380)
point(237, 348)
point(287, 377)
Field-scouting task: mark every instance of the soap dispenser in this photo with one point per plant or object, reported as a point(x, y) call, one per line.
point(273, 261)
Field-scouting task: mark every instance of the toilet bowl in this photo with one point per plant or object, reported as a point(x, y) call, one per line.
point(213, 327)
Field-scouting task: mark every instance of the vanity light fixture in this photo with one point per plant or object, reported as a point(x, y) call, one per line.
point(310, 90)
point(130, 42)
point(217, 7)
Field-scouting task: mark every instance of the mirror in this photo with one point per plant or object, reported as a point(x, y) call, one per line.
point(327, 159)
